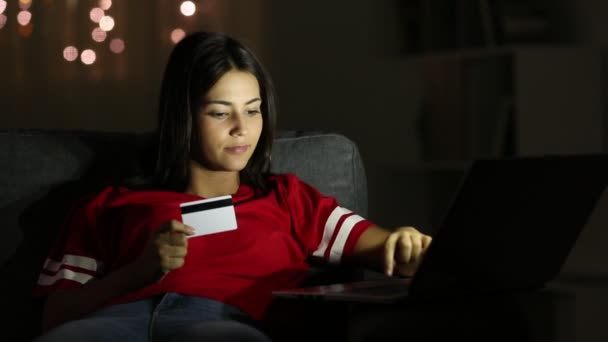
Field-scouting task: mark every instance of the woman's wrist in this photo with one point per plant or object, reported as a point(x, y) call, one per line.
point(143, 273)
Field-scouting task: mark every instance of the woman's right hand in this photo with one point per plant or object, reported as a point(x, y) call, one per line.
point(166, 249)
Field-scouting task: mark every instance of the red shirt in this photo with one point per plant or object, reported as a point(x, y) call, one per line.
point(277, 233)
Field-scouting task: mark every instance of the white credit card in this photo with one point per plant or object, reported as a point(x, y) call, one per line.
point(209, 216)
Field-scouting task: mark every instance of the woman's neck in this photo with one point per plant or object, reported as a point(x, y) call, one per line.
point(206, 183)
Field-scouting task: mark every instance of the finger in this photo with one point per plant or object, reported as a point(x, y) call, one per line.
point(389, 253)
point(171, 239)
point(405, 248)
point(426, 242)
point(175, 226)
point(416, 248)
point(168, 264)
point(170, 251)
point(190, 230)
point(179, 227)
point(171, 257)
point(177, 239)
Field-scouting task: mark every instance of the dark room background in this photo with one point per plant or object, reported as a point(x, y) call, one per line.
point(422, 86)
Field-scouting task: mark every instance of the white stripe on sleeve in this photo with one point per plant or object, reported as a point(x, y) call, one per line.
point(328, 231)
point(45, 280)
point(335, 254)
point(71, 260)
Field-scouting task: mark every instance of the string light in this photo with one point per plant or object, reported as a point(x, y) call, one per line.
point(96, 14)
point(106, 23)
point(88, 57)
point(103, 22)
point(177, 35)
point(99, 35)
point(25, 4)
point(187, 8)
point(24, 17)
point(105, 4)
point(70, 53)
point(117, 45)
point(66, 18)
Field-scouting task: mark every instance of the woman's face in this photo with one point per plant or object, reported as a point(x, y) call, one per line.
point(229, 122)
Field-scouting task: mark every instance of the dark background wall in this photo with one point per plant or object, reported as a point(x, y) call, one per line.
point(418, 84)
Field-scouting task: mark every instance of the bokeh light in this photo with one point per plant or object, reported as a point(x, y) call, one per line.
point(24, 17)
point(25, 4)
point(88, 57)
point(177, 35)
point(187, 8)
point(2, 6)
point(106, 23)
point(117, 45)
point(96, 14)
point(70, 53)
point(99, 35)
point(105, 4)
point(3, 20)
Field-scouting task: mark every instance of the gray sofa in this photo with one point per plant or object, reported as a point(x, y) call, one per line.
point(44, 170)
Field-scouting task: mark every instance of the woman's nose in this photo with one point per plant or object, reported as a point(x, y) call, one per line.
point(239, 125)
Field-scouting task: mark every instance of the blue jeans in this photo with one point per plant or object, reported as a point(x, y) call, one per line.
point(170, 317)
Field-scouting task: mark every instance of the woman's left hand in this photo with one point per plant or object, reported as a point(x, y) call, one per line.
point(404, 248)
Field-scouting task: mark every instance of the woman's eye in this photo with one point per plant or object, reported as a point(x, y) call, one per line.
point(253, 112)
point(219, 115)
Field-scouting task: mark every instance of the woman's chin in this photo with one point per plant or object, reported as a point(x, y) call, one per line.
point(234, 167)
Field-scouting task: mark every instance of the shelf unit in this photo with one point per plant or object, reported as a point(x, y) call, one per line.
point(504, 102)
point(510, 101)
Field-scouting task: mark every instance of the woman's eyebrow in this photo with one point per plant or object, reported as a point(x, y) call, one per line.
point(228, 103)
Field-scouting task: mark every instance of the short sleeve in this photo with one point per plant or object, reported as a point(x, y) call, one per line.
point(76, 257)
point(328, 230)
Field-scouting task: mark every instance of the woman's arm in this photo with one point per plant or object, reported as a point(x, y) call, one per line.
point(392, 252)
point(164, 251)
point(66, 305)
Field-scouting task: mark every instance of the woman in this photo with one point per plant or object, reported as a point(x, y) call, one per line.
point(126, 266)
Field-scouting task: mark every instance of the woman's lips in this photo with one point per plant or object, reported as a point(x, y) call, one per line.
point(240, 149)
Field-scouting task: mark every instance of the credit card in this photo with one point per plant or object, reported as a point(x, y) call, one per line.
point(209, 216)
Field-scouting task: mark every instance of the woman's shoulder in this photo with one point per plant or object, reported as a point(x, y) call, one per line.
point(291, 183)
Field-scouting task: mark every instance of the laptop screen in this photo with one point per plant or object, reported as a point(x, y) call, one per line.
point(512, 223)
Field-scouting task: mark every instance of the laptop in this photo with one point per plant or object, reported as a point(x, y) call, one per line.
point(510, 226)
